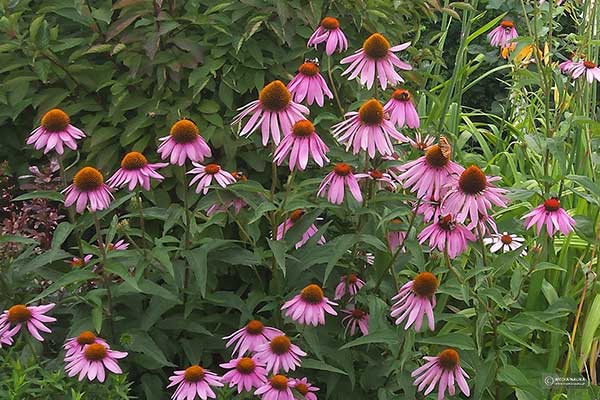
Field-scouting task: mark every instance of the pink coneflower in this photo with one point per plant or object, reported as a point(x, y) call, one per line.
point(473, 196)
point(33, 317)
point(274, 112)
point(329, 31)
point(382, 179)
point(367, 130)
point(305, 389)
point(88, 188)
point(278, 387)
point(194, 380)
point(503, 35)
point(93, 360)
point(76, 345)
point(396, 238)
point(447, 235)
point(118, 246)
point(289, 223)
point(335, 182)
point(280, 353)
point(415, 300)
point(589, 68)
point(205, 175)
point(77, 262)
point(309, 307)
point(301, 143)
point(184, 142)
point(135, 170)
point(505, 242)
point(443, 370)
point(551, 214)
point(420, 143)
point(376, 55)
point(401, 110)
point(350, 282)
point(250, 337)
point(309, 84)
point(55, 132)
point(428, 175)
point(245, 373)
point(354, 320)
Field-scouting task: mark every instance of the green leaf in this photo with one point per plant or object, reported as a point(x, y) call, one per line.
point(320, 365)
point(278, 247)
point(141, 342)
point(75, 276)
point(387, 337)
point(61, 233)
point(459, 340)
point(197, 260)
point(41, 194)
point(590, 327)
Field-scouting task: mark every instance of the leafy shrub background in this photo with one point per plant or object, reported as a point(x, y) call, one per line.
point(126, 71)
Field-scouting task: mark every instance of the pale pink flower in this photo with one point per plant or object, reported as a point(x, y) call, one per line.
point(551, 214)
point(245, 373)
point(420, 143)
point(289, 223)
point(472, 196)
point(237, 204)
point(93, 360)
point(566, 66)
point(415, 300)
point(350, 282)
point(431, 209)
point(309, 307)
point(447, 235)
point(135, 170)
point(299, 144)
point(119, 245)
point(184, 143)
point(376, 56)
point(367, 130)
point(309, 84)
point(428, 175)
point(329, 31)
point(401, 110)
point(5, 337)
point(355, 319)
point(205, 174)
point(396, 237)
point(305, 389)
point(503, 35)
point(33, 317)
point(55, 132)
point(505, 242)
point(76, 345)
point(335, 182)
point(279, 354)
point(274, 112)
point(443, 370)
point(278, 387)
point(193, 381)
point(88, 188)
point(587, 68)
point(77, 262)
point(250, 337)
point(383, 180)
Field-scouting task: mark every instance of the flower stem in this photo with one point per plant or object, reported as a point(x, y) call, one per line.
point(70, 211)
point(142, 221)
point(105, 276)
point(333, 88)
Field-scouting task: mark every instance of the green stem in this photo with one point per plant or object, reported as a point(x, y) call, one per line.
point(70, 210)
point(105, 276)
point(333, 88)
